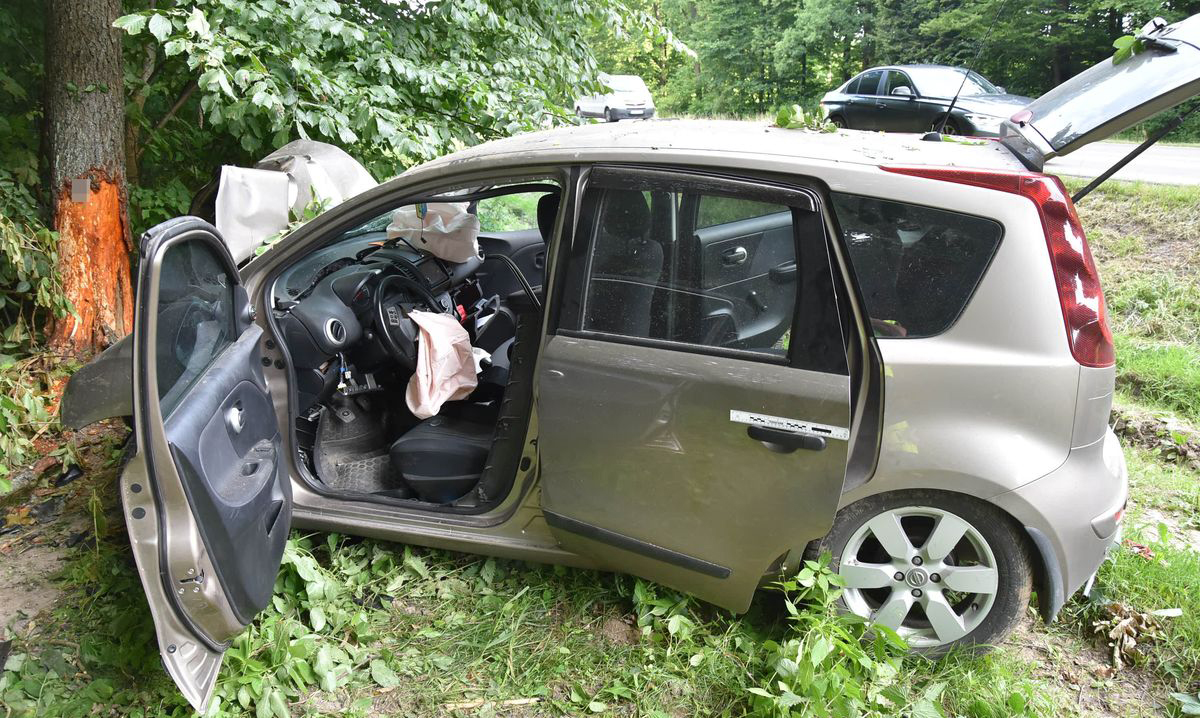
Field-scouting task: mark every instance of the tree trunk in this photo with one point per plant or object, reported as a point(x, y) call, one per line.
point(85, 115)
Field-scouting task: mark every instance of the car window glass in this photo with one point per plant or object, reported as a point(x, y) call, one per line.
point(896, 79)
point(654, 273)
point(917, 267)
point(195, 317)
point(852, 88)
point(508, 212)
point(946, 81)
point(715, 209)
point(869, 84)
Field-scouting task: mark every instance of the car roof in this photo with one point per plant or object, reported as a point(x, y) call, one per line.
point(672, 140)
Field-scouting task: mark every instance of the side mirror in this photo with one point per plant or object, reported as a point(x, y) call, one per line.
point(903, 91)
point(1001, 90)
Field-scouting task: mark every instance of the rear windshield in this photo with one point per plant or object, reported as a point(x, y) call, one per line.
point(917, 267)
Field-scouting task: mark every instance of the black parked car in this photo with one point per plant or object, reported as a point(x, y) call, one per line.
point(914, 98)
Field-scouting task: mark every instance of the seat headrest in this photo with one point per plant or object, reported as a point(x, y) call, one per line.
point(547, 211)
point(626, 213)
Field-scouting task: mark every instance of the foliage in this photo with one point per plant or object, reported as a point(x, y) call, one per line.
point(752, 55)
point(393, 83)
point(830, 665)
point(1161, 375)
point(29, 390)
point(1127, 46)
point(793, 117)
point(310, 212)
point(30, 289)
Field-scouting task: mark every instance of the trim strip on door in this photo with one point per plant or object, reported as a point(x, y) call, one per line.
point(796, 426)
point(637, 546)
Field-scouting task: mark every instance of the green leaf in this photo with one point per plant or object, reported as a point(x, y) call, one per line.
point(316, 616)
point(383, 674)
point(198, 24)
point(132, 24)
point(160, 27)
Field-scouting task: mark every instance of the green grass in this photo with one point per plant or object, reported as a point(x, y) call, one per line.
point(1171, 579)
point(1167, 487)
point(360, 627)
point(1165, 376)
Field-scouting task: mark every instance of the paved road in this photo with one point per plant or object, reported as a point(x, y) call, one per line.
point(1160, 163)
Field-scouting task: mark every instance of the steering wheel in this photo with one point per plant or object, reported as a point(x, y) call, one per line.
point(397, 332)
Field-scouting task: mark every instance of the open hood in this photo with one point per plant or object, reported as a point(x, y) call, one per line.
point(1110, 97)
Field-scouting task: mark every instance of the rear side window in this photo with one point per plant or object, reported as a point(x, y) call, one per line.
point(868, 84)
point(917, 267)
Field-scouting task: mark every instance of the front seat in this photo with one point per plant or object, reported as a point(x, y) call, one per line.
point(626, 267)
point(442, 458)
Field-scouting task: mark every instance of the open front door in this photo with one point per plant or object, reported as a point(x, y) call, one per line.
point(694, 400)
point(205, 503)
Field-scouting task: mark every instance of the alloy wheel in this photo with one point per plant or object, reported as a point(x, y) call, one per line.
point(922, 571)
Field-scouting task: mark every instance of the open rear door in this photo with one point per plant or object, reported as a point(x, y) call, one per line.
point(204, 500)
point(1110, 96)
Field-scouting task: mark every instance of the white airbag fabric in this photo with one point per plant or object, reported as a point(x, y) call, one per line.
point(444, 229)
point(445, 366)
point(252, 205)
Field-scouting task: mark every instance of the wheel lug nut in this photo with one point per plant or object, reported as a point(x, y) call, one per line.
point(935, 577)
point(917, 561)
point(916, 592)
point(899, 576)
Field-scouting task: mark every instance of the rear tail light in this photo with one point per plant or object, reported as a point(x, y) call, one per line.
point(1084, 312)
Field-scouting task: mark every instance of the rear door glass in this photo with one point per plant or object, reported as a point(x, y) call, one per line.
point(869, 83)
point(916, 266)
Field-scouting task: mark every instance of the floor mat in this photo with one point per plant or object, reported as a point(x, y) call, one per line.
point(351, 449)
point(368, 475)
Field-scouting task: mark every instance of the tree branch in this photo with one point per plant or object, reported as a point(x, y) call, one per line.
point(187, 92)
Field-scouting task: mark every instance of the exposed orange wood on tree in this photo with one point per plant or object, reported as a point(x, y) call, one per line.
point(94, 252)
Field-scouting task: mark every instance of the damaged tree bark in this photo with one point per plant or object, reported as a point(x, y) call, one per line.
point(85, 119)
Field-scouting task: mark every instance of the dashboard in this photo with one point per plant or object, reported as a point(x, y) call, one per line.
point(325, 304)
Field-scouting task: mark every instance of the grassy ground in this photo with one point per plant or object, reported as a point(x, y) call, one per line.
point(362, 627)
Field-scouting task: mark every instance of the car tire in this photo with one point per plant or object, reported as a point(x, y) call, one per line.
point(610, 115)
point(990, 553)
point(839, 122)
point(952, 127)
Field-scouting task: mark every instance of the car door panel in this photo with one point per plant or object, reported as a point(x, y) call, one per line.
point(524, 247)
point(644, 468)
point(652, 455)
point(861, 112)
point(207, 506)
point(747, 262)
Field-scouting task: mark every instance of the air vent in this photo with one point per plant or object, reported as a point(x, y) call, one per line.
point(335, 332)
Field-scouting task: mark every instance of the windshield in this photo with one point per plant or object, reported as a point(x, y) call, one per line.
point(625, 83)
point(944, 82)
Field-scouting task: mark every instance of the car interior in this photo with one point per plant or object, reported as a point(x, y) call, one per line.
point(344, 314)
point(664, 265)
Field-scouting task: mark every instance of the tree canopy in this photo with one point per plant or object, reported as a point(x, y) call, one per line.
point(754, 55)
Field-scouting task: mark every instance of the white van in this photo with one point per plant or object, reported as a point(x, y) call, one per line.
point(629, 99)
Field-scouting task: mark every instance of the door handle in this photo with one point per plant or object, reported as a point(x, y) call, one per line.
point(881, 105)
point(785, 442)
point(734, 257)
point(539, 260)
point(235, 418)
point(783, 273)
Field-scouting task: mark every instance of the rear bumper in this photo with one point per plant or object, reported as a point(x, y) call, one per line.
point(1073, 517)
